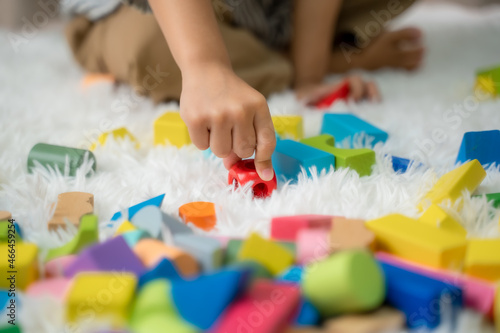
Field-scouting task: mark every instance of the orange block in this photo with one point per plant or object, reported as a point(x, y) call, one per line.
point(200, 213)
point(150, 251)
point(348, 234)
point(93, 78)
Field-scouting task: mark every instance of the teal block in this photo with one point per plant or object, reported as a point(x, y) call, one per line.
point(483, 146)
point(134, 236)
point(344, 125)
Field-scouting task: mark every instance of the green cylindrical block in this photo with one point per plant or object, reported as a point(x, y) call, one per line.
point(56, 156)
point(348, 281)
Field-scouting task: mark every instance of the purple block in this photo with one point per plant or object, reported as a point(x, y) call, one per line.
point(112, 255)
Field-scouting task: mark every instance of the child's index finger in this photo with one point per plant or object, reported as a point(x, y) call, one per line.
point(266, 142)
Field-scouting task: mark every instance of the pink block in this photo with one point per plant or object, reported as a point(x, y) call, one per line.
point(286, 227)
point(478, 294)
point(267, 307)
point(56, 267)
point(55, 288)
point(312, 245)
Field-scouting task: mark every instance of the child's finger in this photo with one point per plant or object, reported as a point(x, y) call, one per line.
point(221, 140)
point(357, 88)
point(199, 135)
point(244, 139)
point(266, 142)
point(230, 160)
point(373, 92)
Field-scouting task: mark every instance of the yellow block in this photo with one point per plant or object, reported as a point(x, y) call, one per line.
point(497, 308)
point(486, 84)
point(269, 254)
point(439, 218)
point(170, 128)
point(450, 186)
point(289, 127)
point(483, 259)
point(19, 265)
point(104, 295)
point(419, 242)
point(126, 226)
point(119, 133)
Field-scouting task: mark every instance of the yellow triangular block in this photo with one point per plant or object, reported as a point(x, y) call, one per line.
point(119, 133)
point(439, 218)
point(126, 226)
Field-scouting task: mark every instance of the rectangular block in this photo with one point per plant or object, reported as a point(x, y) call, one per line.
point(482, 259)
point(348, 234)
point(288, 126)
point(286, 227)
point(343, 125)
point(439, 218)
point(170, 128)
point(481, 146)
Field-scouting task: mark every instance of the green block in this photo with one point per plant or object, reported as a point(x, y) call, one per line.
point(494, 74)
point(87, 235)
point(4, 232)
point(495, 197)
point(234, 245)
point(56, 157)
point(360, 160)
point(10, 328)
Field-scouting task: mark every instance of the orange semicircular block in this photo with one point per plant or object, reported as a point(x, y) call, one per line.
point(200, 213)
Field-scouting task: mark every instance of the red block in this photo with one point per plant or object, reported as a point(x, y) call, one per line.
point(286, 227)
point(267, 307)
point(341, 93)
point(244, 172)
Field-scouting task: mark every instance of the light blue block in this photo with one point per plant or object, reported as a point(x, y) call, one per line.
point(483, 146)
point(175, 225)
point(206, 250)
point(156, 201)
point(149, 219)
point(289, 156)
point(344, 125)
point(134, 236)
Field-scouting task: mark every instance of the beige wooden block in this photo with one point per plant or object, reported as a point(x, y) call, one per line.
point(5, 215)
point(383, 320)
point(71, 206)
point(347, 234)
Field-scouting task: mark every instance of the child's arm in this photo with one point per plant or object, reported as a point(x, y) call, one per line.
point(221, 111)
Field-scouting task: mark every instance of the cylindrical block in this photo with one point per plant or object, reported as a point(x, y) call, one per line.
point(56, 157)
point(348, 281)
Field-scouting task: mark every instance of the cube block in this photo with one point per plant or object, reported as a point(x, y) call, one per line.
point(244, 172)
point(289, 126)
point(481, 146)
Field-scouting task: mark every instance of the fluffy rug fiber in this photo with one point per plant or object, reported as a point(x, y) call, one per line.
point(425, 114)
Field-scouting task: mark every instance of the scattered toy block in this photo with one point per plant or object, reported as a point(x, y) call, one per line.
point(149, 219)
point(10, 329)
point(156, 201)
point(482, 259)
point(125, 227)
point(255, 270)
point(112, 255)
point(266, 307)
point(360, 160)
point(450, 186)
point(497, 311)
point(401, 165)
point(170, 128)
point(5, 215)
point(200, 213)
point(4, 298)
point(244, 171)
point(481, 146)
point(341, 93)
point(134, 236)
point(290, 157)
point(234, 245)
point(9, 231)
point(202, 300)
point(382, 320)
point(343, 125)
point(91, 79)
point(86, 236)
point(118, 134)
point(308, 314)
point(151, 251)
point(421, 298)
point(288, 126)
point(266, 252)
point(114, 293)
point(292, 274)
point(174, 225)
point(312, 245)
point(55, 157)
point(19, 268)
point(487, 79)
point(58, 266)
point(286, 228)
point(348, 281)
point(419, 242)
point(71, 206)
point(165, 269)
point(56, 288)
point(207, 251)
point(348, 234)
point(439, 218)
point(493, 197)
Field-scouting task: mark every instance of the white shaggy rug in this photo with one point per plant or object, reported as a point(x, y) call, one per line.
point(41, 101)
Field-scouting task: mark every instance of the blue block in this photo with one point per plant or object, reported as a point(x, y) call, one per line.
point(134, 236)
point(344, 125)
point(165, 269)
point(202, 300)
point(483, 146)
point(156, 201)
point(149, 219)
point(290, 156)
point(4, 298)
point(421, 298)
point(293, 274)
point(308, 314)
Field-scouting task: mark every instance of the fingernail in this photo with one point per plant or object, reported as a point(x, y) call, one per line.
point(267, 174)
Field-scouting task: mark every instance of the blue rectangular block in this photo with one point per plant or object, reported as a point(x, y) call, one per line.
point(290, 156)
point(483, 146)
point(344, 125)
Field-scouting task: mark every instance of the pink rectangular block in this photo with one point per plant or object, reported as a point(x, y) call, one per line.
point(56, 288)
point(286, 227)
point(312, 245)
point(478, 294)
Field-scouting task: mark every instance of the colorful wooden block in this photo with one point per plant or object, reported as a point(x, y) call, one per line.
point(55, 157)
point(401, 165)
point(19, 267)
point(348, 126)
point(348, 281)
point(255, 270)
point(290, 157)
point(151, 251)
point(266, 252)
point(244, 172)
point(497, 310)
point(5, 215)
point(482, 259)
point(286, 228)
point(439, 218)
point(104, 295)
point(348, 234)
point(202, 300)
point(112, 255)
point(9, 231)
point(382, 320)
point(289, 126)
point(341, 93)
point(451, 186)
point(118, 134)
point(56, 288)
point(165, 269)
point(308, 314)
point(292, 274)
point(71, 206)
point(174, 225)
point(207, 251)
point(149, 219)
point(493, 197)
point(134, 236)
point(234, 245)
point(487, 79)
point(481, 146)
point(156, 201)
point(200, 213)
point(312, 245)
point(125, 226)
point(360, 160)
point(4, 298)
point(170, 128)
point(419, 242)
point(267, 307)
point(58, 266)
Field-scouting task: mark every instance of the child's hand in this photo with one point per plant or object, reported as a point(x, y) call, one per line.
point(224, 113)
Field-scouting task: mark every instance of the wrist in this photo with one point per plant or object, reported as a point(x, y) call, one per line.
point(196, 68)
